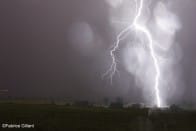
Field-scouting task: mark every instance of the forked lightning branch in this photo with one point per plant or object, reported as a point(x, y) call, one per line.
point(136, 26)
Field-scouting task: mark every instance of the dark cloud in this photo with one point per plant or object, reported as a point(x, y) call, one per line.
point(38, 59)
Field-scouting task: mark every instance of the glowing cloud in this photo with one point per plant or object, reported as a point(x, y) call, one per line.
point(151, 60)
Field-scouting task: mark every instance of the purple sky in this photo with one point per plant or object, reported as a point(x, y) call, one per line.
point(38, 57)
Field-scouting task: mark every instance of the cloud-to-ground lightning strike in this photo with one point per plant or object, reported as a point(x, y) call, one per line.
point(138, 27)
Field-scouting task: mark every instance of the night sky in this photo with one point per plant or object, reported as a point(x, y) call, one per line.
point(39, 57)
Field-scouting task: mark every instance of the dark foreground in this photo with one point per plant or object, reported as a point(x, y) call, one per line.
point(65, 118)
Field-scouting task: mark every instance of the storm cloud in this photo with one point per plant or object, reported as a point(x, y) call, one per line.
point(60, 49)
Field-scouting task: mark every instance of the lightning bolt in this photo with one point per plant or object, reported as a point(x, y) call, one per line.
point(113, 68)
point(123, 34)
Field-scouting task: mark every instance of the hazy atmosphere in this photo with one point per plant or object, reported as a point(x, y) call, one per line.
point(61, 49)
